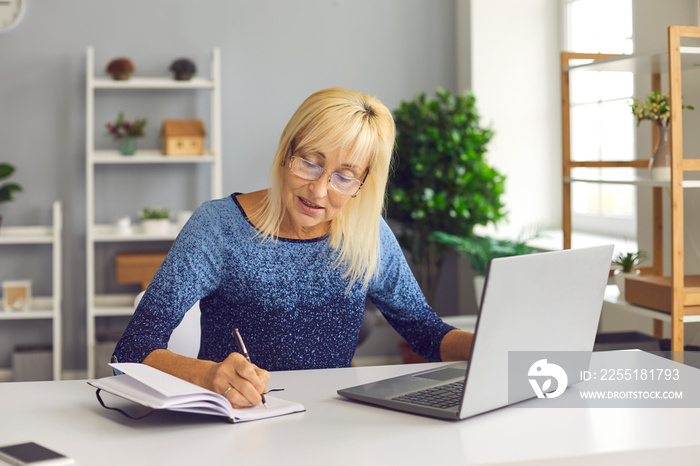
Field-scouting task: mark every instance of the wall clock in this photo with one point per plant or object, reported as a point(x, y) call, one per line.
point(11, 12)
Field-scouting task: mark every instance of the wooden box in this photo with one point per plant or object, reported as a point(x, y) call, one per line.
point(655, 292)
point(138, 267)
point(183, 137)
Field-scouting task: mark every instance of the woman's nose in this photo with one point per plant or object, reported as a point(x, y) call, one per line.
point(320, 185)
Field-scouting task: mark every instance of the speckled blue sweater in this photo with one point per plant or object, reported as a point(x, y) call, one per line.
point(285, 297)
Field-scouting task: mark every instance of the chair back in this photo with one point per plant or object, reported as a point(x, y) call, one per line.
point(186, 337)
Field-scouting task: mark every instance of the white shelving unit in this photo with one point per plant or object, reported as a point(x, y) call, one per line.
point(42, 307)
point(672, 61)
point(111, 305)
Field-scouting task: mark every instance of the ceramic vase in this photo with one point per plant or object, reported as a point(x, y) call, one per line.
point(127, 146)
point(661, 160)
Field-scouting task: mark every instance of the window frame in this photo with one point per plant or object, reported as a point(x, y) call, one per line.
point(601, 222)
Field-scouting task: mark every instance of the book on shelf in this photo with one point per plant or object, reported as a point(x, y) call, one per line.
point(155, 389)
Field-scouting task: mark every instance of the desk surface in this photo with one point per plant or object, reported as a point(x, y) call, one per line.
point(66, 416)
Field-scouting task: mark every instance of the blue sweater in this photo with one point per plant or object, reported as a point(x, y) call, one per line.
point(286, 298)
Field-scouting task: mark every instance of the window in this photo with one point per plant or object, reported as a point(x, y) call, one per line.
point(602, 124)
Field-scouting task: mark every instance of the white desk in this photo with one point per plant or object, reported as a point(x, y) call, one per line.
point(66, 416)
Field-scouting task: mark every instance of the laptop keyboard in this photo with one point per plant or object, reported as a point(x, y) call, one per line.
point(442, 397)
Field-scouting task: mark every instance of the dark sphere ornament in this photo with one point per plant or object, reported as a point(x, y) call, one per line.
point(183, 69)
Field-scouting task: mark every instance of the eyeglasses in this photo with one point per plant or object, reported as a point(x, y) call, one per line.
point(310, 171)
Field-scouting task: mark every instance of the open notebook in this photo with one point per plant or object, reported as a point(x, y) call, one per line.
point(155, 389)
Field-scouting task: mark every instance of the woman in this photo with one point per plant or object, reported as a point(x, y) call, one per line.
point(292, 266)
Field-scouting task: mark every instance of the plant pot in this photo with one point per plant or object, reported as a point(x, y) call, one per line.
point(183, 76)
point(159, 226)
point(127, 146)
point(661, 160)
point(621, 277)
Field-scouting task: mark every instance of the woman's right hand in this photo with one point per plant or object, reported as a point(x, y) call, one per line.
point(247, 381)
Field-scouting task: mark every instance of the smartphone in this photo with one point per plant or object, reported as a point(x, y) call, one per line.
point(33, 454)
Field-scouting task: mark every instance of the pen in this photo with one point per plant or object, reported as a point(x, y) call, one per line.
point(244, 352)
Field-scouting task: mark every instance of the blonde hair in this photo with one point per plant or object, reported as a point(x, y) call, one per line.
point(362, 127)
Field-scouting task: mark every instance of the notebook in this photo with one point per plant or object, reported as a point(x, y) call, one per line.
point(547, 301)
point(155, 389)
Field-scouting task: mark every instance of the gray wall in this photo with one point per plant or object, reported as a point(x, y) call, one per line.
point(274, 54)
point(517, 82)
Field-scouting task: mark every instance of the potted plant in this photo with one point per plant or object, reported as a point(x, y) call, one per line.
point(7, 189)
point(656, 107)
point(120, 68)
point(442, 181)
point(155, 220)
point(479, 250)
point(126, 133)
point(183, 69)
point(628, 261)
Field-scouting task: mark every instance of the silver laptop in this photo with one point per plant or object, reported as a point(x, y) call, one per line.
point(538, 302)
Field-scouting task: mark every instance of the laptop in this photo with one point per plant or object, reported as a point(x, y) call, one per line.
point(548, 301)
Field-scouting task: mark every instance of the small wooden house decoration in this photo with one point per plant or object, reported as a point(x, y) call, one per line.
point(183, 137)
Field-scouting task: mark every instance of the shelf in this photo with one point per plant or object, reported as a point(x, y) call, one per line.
point(642, 182)
point(648, 62)
point(99, 162)
point(665, 67)
point(26, 315)
point(113, 305)
point(41, 308)
point(46, 308)
point(136, 82)
point(110, 233)
point(26, 235)
point(613, 301)
point(113, 157)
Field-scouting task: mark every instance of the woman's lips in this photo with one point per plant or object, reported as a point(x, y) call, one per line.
point(309, 206)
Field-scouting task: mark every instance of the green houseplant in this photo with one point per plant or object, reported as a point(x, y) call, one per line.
point(441, 180)
point(656, 107)
point(481, 249)
point(154, 213)
point(126, 133)
point(627, 261)
point(7, 189)
point(155, 220)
